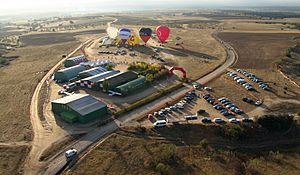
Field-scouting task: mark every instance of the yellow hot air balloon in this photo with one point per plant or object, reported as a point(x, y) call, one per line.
point(133, 40)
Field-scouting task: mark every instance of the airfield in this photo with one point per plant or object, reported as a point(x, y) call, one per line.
point(212, 47)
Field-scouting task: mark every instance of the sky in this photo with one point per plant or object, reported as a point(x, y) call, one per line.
point(19, 6)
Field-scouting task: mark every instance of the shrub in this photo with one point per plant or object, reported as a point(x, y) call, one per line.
point(279, 122)
point(234, 131)
point(204, 143)
point(164, 169)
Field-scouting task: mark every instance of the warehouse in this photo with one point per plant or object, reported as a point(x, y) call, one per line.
point(67, 74)
point(116, 80)
point(90, 82)
point(74, 61)
point(91, 72)
point(81, 108)
point(132, 86)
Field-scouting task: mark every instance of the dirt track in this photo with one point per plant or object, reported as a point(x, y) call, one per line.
point(39, 142)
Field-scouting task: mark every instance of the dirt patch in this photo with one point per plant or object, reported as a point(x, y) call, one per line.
point(12, 158)
point(258, 50)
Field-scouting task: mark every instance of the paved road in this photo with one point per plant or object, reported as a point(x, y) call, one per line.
point(99, 133)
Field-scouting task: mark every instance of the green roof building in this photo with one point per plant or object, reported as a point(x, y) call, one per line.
point(132, 86)
point(116, 80)
point(67, 74)
point(74, 61)
point(81, 108)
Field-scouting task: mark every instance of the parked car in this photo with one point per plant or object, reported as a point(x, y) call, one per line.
point(160, 123)
point(219, 120)
point(70, 153)
point(247, 100)
point(258, 103)
point(234, 120)
point(206, 120)
point(191, 117)
point(208, 88)
point(247, 120)
point(201, 111)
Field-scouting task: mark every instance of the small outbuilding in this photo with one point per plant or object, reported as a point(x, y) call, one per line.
point(81, 108)
point(75, 61)
point(69, 73)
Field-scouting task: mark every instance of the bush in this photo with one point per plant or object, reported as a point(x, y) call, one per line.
point(204, 143)
point(279, 122)
point(164, 169)
point(234, 132)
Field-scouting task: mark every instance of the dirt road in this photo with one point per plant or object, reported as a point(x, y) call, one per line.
point(39, 142)
point(99, 133)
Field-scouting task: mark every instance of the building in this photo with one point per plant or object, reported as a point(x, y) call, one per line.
point(91, 72)
point(81, 108)
point(97, 63)
point(69, 73)
point(113, 81)
point(132, 86)
point(91, 82)
point(74, 61)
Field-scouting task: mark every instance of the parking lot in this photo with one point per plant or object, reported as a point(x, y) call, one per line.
point(197, 107)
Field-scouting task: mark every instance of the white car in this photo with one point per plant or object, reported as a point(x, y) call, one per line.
point(70, 153)
point(160, 123)
point(234, 120)
point(208, 88)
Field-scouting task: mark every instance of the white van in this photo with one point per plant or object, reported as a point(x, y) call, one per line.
point(160, 123)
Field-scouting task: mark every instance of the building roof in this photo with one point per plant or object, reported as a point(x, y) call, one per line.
point(81, 103)
point(96, 63)
point(120, 78)
point(80, 57)
point(132, 84)
point(93, 71)
point(69, 73)
point(98, 77)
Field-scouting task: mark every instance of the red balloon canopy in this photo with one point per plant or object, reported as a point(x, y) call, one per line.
point(162, 33)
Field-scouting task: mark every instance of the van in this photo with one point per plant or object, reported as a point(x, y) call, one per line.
point(160, 123)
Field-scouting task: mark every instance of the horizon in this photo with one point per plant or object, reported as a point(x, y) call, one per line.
point(104, 6)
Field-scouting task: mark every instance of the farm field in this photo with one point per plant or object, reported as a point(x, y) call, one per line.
point(178, 150)
point(260, 54)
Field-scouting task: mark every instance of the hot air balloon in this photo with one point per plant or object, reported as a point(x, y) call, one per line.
point(112, 32)
point(145, 34)
point(133, 40)
point(162, 33)
point(124, 34)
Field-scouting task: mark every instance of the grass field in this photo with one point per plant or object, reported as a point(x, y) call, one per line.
point(11, 159)
point(178, 150)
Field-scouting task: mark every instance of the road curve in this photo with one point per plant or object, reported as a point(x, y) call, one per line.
point(32, 163)
point(99, 133)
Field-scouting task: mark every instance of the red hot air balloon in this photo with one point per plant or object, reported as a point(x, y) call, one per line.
point(162, 33)
point(145, 34)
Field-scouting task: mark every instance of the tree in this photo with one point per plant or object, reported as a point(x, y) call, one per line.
point(278, 122)
point(105, 85)
point(149, 78)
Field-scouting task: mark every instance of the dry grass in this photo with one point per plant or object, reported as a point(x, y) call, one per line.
point(11, 159)
point(17, 83)
point(258, 53)
point(131, 152)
